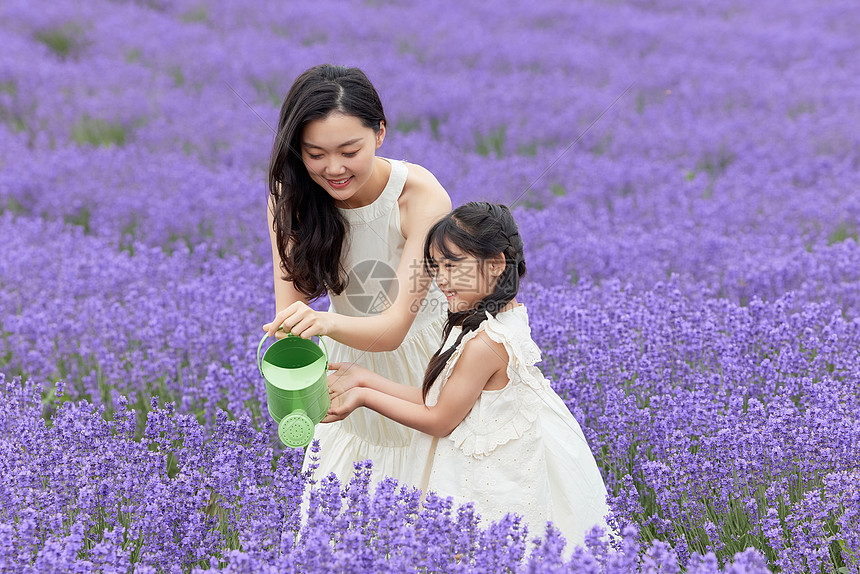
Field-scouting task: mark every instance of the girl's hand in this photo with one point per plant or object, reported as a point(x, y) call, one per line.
point(345, 376)
point(301, 320)
point(343, 404)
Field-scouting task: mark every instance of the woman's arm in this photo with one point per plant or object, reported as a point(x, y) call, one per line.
point(480, 360)
point(425, 203)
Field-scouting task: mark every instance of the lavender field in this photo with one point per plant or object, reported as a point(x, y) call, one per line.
point(686, 176)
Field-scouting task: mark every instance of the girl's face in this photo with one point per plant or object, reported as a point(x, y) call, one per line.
point(339, 153)
point(464, 279)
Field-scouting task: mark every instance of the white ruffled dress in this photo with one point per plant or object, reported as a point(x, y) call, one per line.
point(373, 249)
point(519, 450)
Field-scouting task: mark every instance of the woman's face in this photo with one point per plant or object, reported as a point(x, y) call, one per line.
point(339, 153)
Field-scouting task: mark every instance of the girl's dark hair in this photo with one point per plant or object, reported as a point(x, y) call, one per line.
point(309, 229)
point(482, 230)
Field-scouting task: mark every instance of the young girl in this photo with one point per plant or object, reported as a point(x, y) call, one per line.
point(492, 430)
point(352, 224)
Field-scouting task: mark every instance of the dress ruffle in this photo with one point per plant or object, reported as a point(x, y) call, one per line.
point(492, 423)
point(523, 351)
point(477, 437)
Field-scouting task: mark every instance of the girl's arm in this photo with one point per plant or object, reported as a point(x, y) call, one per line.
point(480, 360)
point(424, 204)
point(348, 376)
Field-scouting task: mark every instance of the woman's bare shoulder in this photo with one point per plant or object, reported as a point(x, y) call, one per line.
point(423, 198)
point(421, 181)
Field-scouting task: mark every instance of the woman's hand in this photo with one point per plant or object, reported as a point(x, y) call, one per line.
point(343, 404)
point(345, 376)
point(301, 320)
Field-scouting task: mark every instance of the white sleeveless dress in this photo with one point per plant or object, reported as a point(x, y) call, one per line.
point(519, 450)
point(373, 249)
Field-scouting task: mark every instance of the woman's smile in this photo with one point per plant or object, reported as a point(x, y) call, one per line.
point(339, 183)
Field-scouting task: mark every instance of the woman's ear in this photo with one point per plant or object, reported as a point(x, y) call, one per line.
point(380, 135)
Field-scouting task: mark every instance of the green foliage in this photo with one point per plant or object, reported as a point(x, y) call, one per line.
point(407, 125)
point(13, 206)
point(532, 201)
point(494, 141)
point(529, 150)
point(315, 38)
point(98, 132)
point(714, 165)
point(12, 116)
point(843, 232)
point(270, 90)
point(65, 41)
point(81, 218)
point(800, 109)
point(640, 103)
point(434, 127)
point(602, 144)
point(177, 75)
point(128, 235)
point(197, 14)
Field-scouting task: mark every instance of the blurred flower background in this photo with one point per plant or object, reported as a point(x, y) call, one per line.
point(686, 176)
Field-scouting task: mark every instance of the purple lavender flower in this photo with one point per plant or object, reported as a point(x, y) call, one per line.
point(693, 275)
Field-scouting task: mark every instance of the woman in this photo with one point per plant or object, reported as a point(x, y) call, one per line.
point(346, 222)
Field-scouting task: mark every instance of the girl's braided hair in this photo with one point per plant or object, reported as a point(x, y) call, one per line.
point(483, 230)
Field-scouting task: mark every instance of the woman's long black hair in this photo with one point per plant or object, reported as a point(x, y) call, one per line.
point(482, 230)
point(309, 229)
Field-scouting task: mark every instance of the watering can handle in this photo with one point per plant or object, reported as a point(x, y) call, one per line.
point(266, 336)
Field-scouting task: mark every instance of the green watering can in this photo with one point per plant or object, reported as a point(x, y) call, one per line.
point(295, 370)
